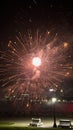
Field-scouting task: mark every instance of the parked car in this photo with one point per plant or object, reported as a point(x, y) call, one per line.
point(36, 122)
point(64, 123)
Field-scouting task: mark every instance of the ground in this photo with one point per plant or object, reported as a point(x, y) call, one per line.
point(47, 122)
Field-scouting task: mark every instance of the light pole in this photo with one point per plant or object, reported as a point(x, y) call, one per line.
point(54, 112)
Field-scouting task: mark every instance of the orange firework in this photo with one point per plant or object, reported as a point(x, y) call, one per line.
point(31, 65)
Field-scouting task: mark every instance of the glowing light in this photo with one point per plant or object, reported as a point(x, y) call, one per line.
point(67, 74)
point(61, 90)
point(54, 99)
point(51, 90)
point(27, 105)
point(48, 32)
point(65, 44)
point(36, 61)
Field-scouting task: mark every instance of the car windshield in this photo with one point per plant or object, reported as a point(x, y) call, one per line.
point(64, 122)
point(35, 120)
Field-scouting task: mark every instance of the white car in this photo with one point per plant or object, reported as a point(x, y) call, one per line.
point(36, 122)
point(64, 123)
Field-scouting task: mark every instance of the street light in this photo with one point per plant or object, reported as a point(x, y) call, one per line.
point(54, 112)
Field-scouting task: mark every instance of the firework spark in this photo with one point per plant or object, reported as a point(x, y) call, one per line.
point(19, 74)
point(36, 61)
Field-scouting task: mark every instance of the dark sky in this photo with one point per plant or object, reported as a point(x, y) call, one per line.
point(24, 15)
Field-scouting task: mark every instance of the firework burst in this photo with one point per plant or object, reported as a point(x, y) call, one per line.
point(19, 75)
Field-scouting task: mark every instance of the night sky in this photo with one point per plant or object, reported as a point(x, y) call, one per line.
point(43, 15)
point(35, 14)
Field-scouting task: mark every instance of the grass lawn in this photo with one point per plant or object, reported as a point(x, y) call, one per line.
point(25, 128)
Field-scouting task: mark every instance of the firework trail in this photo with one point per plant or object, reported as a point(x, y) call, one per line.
point(18, 74)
